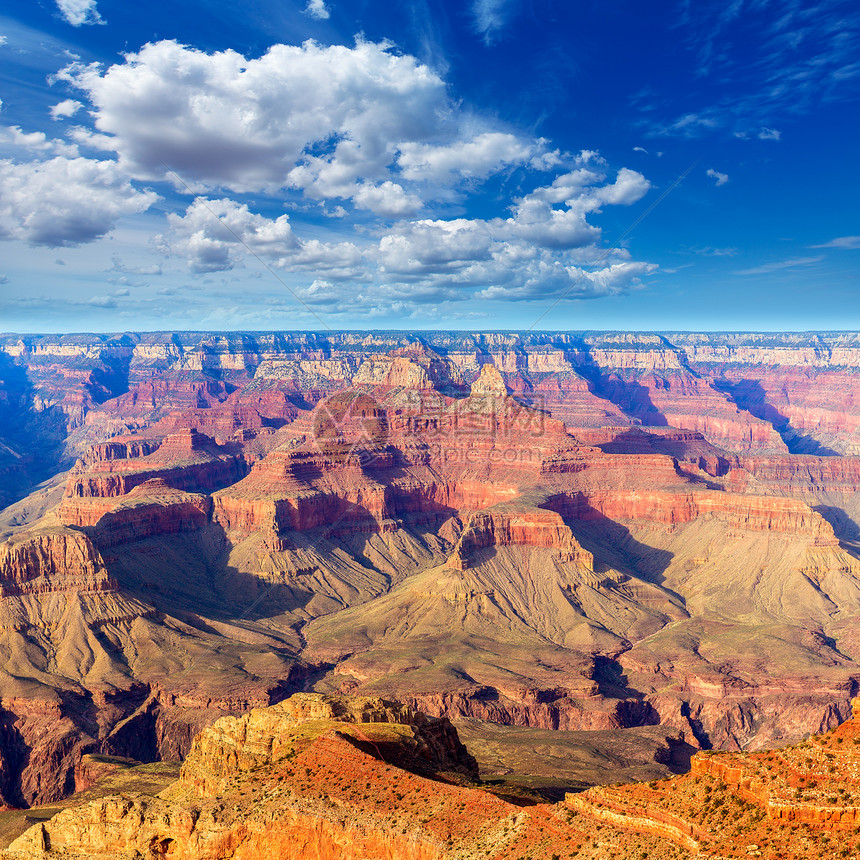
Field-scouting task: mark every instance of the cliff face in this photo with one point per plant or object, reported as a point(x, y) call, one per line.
point(533, 528)
point(47, 555)
point(557, 531)
point(747, 801)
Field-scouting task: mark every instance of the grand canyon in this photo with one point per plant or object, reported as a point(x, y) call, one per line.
point(311, 566)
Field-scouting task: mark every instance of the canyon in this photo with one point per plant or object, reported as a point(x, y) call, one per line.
point(546, 532)
point(358, 776)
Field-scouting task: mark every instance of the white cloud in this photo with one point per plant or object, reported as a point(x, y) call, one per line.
point(65, 201)
point(35, 142)
point(335, 123)
point(4, 279)
point(321, 119)
point(629, 186)
point(553, 280)
point(719, 178)
point(569, 186)
point(216, 235)
point(768, 268)
point(710, 251)
point(536, 220)
point(848, 243)
point(477, 157)
point(546, 247)
point(321, 292)
point(434, 247)
point(387, 198)
point(769, 134)
point(219, 119)
point(65, 108)
point(119, 266)
point(78, 12)
point(317, 9)
point(491, 16)
point(690, 124)
point(3, 40)
point(212, 234)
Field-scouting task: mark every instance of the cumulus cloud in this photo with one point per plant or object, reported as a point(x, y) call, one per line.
point(310, 116)
point(477, 157)
point(362, 128)
point(550, 280)
point(387, 198)
point(332, 122)
point(102, 302)
point(35, 141)
point(317, 9)
point(545, 247)
point(848, 243)
point(422, 248)
point(769, 134)
point(719, 178)
point(3, 41)
point(537, 220)
point(629, 186)
point(65, 201)
point(78, 12)
point(65, 109)
point(321, 292)
point(216, 235)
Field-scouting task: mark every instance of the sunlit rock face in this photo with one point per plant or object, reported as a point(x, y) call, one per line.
point(352, 777)
point(550, 531)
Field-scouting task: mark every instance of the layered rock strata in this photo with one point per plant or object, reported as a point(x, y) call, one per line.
point(550, 530)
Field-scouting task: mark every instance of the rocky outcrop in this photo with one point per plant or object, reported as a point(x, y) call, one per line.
point(755, 513)
point(355, 746)
point(187, 460)
point(48, 555)
point(741, 390)
point(638, 819)
point(151, 509)
point(746, 801)
point(489, 383)
point(321, 776)
point(415, 367)
point(262, 737)
point(526, 528)
point(129, 826)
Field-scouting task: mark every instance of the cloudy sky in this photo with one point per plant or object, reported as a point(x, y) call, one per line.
point(313, 164)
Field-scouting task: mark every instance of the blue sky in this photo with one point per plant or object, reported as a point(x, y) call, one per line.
point(485, 164)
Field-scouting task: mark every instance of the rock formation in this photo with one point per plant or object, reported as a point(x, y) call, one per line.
point(749, 802)
point(350, 778)
point(556, 531)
